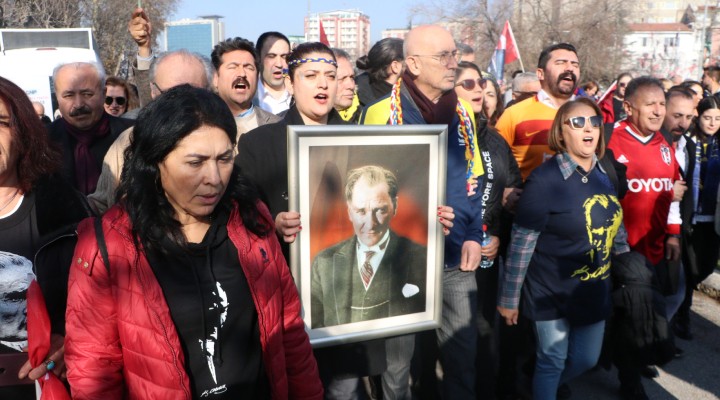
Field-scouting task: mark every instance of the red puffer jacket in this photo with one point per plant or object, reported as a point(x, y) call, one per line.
point(121, 341)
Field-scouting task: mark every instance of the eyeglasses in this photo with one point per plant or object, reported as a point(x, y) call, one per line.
point(469, 84)
point(622, 84)
point(119, 100)
point(579, 122)
point(158, 88)
point(444, 57)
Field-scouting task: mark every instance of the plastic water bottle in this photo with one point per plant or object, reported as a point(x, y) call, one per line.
point(484, 261)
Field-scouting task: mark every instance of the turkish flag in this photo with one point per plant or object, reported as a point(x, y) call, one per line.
point(507, 43)
point(323, 36)
point(506, 52)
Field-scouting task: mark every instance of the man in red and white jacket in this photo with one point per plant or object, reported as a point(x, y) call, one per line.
point(653, 184)
point(652, 172)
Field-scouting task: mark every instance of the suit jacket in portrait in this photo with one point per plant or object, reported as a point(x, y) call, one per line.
point(401, 275)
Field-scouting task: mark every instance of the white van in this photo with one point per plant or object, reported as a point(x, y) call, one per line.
point(28, 57)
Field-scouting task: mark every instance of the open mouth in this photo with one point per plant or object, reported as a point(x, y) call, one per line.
point(241, 84)
point(568, 77)
point(588, 139)
point(321, 97)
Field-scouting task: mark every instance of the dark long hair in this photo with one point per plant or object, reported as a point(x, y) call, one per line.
point(463, 65)
point(499, 107)
point(381, 55)
point(37, 155)
point(161, 125)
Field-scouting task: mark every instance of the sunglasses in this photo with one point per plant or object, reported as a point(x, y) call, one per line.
point(469, 84)
point(579, 122)
point(119, 100)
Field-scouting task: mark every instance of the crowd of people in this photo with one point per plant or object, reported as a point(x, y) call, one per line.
point(154, 216)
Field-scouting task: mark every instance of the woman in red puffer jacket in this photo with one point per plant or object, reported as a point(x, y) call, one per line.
point(197, 300)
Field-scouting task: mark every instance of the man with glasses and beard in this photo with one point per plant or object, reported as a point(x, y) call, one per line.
point(525, 125)
point(85, 131)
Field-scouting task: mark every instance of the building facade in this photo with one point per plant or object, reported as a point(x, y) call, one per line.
point(399, 33)
point(198, 35)
point(345, 29)
point(661, 50)
point(661, 11)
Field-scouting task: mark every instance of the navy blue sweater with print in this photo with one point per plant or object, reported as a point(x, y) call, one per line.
point(568, 275)
point(467, 225)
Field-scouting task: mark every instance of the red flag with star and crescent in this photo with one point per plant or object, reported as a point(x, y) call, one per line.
point(506, 52)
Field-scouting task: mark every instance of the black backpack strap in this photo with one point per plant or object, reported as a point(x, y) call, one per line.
point(616, 172)
point(100, 237)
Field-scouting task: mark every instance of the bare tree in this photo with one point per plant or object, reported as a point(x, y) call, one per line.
point(39, 13)
point(538, 23)
point(597, 35)
point(107, 18)
point(473, 22)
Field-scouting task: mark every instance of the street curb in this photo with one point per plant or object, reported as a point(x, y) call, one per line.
point(711, 285)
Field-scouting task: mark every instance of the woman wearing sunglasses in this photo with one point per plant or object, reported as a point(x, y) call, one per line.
point(481, 91)
point(565, 229)
point(117, 96)
point(470, 86)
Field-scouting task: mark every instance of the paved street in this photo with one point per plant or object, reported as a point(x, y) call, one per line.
point(696, 376)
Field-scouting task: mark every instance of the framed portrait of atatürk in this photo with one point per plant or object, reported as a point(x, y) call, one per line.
point(368, 261)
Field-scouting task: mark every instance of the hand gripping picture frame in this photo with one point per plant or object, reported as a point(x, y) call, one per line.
point(368, 262)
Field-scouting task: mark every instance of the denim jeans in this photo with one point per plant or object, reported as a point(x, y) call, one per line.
point(674, 301)
point(564, 352)
point(457, 336)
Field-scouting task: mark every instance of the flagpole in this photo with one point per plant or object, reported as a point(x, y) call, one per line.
point(512, 35)
point(607, 91)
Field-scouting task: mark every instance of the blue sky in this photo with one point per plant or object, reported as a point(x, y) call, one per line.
point(250, 18)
